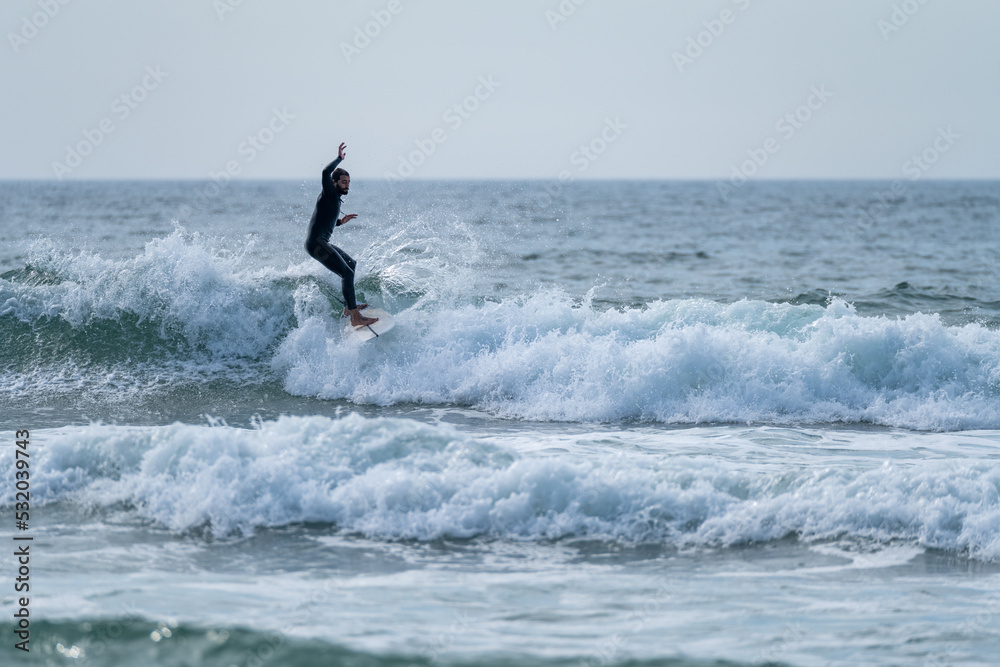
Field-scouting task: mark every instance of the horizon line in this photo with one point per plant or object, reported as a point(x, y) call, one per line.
point(492, 179)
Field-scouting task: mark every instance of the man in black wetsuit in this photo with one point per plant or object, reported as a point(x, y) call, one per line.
point(336, 183)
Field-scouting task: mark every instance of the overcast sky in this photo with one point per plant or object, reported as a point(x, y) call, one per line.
point(600, 89)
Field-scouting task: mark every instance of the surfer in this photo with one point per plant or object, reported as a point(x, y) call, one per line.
point(336, 183)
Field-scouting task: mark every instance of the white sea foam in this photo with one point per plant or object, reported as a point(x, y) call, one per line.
point(546, 357)
point(540, 356)
point(185, 289)
point(392, 478)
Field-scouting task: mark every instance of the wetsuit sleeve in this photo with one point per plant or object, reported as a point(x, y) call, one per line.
point(328, 172)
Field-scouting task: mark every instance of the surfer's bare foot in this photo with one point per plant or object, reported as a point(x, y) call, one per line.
point(359, 320)
point(360, 307)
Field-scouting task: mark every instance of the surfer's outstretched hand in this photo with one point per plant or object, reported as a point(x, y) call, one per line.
point(341, 153)
point(347, 218)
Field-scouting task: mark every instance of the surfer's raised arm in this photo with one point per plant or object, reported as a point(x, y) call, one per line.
point(328, 171)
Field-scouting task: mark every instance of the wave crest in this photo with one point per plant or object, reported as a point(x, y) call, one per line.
point(182, 311)
point(397, 479)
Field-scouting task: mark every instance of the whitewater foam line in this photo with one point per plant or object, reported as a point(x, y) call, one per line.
point(545, 357)
point(398, 479)
point(181, 309)
point(177, 291)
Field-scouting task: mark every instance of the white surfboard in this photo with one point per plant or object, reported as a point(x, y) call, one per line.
point(372, 330)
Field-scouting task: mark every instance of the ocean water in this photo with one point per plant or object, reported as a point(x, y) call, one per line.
point(617, 423)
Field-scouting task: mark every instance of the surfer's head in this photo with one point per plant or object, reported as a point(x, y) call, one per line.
point(341, 180)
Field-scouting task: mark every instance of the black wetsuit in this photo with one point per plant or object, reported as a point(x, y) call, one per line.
point(324, 219)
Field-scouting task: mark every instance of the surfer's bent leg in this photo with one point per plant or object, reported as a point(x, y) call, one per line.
point(340, 263)
point(347, 258)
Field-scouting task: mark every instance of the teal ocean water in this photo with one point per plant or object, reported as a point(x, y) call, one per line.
point(617, 423)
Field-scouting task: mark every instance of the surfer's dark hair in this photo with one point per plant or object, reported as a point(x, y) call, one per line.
point(337, 173)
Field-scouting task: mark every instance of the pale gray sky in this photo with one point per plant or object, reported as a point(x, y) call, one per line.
point(887, 80)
